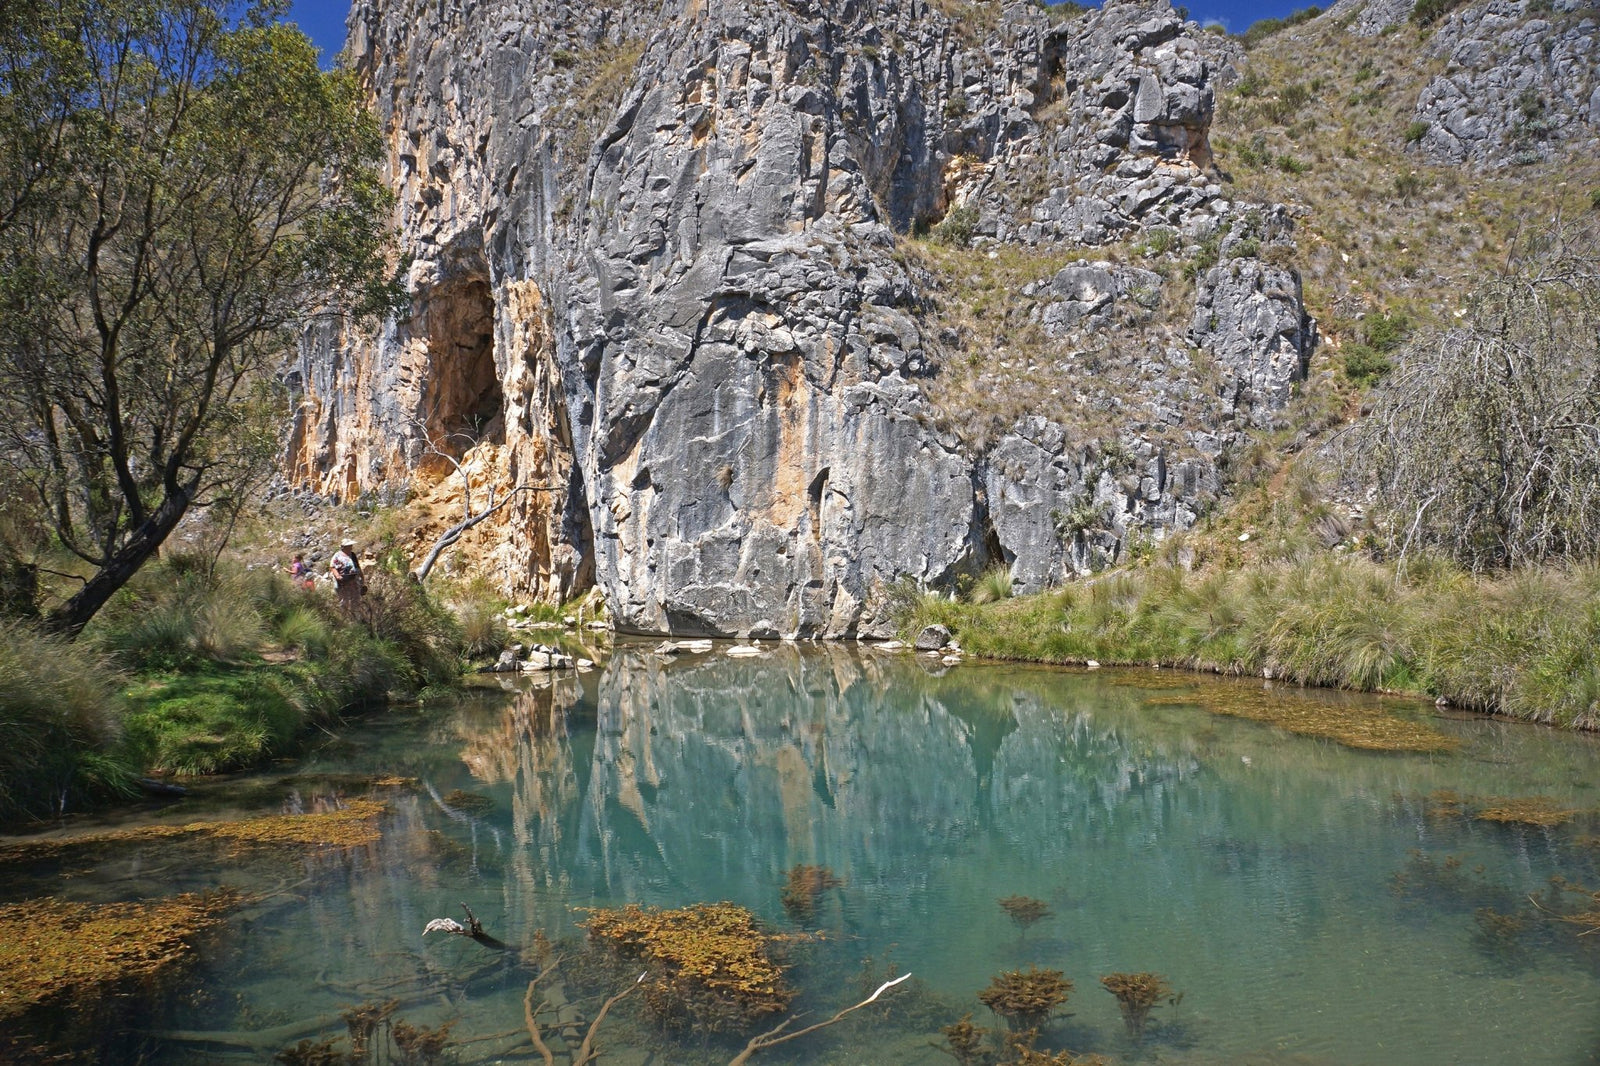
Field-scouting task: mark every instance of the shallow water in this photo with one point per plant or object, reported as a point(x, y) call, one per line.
point(1305, 898)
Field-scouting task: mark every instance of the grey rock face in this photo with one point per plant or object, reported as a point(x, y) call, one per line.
point(1519, 84)
point(1084, 293)
point(1368, 18)
point(655, 268)
point(1248, 313)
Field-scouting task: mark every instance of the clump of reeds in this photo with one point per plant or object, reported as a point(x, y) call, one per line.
point(61, 716)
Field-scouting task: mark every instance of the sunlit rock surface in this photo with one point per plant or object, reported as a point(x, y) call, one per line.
point(657, 274)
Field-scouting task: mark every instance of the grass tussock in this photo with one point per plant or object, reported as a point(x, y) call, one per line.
point(1520, 644)
point(61, 717)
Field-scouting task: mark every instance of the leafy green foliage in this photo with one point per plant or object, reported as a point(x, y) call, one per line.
point(160, 244)
point(1366, 361)
point(956, 228)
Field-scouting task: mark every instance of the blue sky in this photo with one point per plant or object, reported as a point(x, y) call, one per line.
point(323, 20)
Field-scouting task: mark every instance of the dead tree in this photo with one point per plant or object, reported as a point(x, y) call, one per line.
point(470, 517)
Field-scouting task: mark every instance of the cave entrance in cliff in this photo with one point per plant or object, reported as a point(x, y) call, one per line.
point(461, 395)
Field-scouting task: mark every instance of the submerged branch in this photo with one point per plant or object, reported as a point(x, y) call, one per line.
point(586, 1051)
point(533, 1026)
point(771, 1037)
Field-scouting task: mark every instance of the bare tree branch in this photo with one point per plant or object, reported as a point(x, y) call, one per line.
point(771, 1037)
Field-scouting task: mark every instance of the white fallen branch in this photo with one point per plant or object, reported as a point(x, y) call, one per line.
point(771, 1037)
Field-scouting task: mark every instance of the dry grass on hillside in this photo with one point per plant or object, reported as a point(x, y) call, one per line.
point(1323, 120)
point(995, 363)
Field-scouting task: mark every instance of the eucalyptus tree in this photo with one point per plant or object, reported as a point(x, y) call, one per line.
point(181, 189)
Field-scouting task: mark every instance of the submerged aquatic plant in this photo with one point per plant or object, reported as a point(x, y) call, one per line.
point(1026, 998)
point(1024, 910)
point(711, 966)
point(316, 1053)
point(964, 1041)
point(1137, 995)
point(363, 1023)
point(1526, 810)
point(349, 823)
point(1585, 913)
point(56, 952)
point(1498, 932)
point(1019, 1051)
point(805, 885)
point(419, 1045)
point(1367, 727)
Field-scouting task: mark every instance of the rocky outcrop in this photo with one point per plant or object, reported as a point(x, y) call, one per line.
point(1521, 82)
point(657, 271)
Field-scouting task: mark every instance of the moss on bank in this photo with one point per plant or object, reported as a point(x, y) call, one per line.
point(1522, 644)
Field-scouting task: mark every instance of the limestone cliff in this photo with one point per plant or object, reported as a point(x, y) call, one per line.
point(662, 267)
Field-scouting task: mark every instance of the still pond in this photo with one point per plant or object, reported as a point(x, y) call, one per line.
point(1312, 901)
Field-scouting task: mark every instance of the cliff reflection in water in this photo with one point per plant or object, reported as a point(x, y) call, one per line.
point(707, 779)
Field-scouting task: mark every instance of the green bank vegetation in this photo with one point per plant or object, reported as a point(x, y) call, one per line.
point(198, 667)
point(1470, 572)
point(1521, 644)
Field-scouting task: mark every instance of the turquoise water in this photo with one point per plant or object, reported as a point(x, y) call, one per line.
point(1307, 901)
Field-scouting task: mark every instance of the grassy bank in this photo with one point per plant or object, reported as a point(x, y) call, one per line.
point(198, 669)
point(1522, 645)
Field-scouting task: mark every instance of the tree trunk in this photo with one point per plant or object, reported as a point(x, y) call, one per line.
point(70, 618)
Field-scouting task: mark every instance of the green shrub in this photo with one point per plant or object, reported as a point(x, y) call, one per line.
point(1065, 9)
point(1255, 153)
point(1385, 330)
point(1594, 199)
point(1261, 29)
point(1427, 12)
point(362, 671)
point(483, 628)
point(398, 612)
point(60, 720)
point(1364, 365)
point(1251, 85)
point(1408, 185)
point(1288, 103)
point(1417, 130)
point(1159, 240)
point(956, 228)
